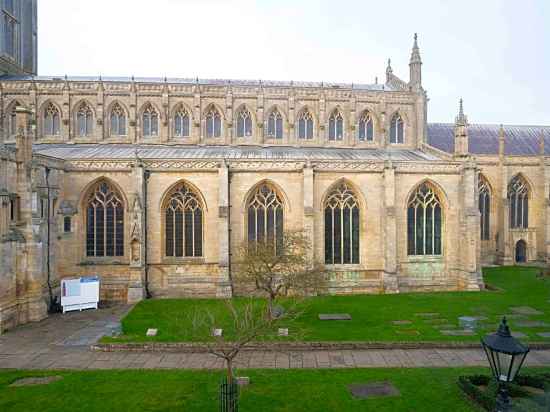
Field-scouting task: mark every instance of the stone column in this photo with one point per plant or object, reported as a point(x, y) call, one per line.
point(136, 211)
point(389, 228)
point(309, 209)
point(546, 211)
point(224, 288)
point(504, 239)
point(469, 234)
point(29, 278)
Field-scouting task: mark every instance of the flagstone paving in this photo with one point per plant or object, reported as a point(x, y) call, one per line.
point(63, 342)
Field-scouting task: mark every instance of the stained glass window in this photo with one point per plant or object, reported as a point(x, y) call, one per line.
point(183, 223)
point(104, 222)
point(424, 218)
point(342, 227)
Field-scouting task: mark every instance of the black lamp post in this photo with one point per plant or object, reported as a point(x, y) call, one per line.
point(506, 355)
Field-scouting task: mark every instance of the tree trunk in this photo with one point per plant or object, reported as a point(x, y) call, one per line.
point(229, 364)
point(270, 301)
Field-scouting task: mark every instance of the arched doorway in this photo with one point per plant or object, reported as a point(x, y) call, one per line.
point(521, 251)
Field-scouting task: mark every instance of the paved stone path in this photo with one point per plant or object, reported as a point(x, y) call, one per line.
point(63, 341)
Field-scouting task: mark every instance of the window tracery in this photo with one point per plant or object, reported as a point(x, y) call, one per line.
point(150, 119)
point(424, 218)
point(518, 198)
point(84, 120)
point(342, 226)
point(305, 125)
point(104, 222)
point(265, 217)
point(244, 123)
point(51, 120)
point(336, 126)
point(118, 120)
point(183, 223)
point(213, 123)
point(397, 133)
point(275, 125)
point(366, 129)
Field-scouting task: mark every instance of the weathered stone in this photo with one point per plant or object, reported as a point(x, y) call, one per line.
point(427, 314)
point(435, 321)
point(283, 332)
point(532, 324)
point(243, 380)
point(526, 310)
point(459, 332)
point(407, 332)
point(217, 332)
point(38, 380)
point(334, 316)
point(373, 390)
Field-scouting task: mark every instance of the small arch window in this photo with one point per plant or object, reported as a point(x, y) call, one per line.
point(484, 208)
point(342, 227)
point(150, 119)
point(181, 122)
point(424, 219)
point(11, 125)
point(305, 125)
point(66, 224)
point(275, 125)
point(118, 120)
point(397, 133)
point(51, 120)
point(183, 223)
point(213, 123)
point(84, 120)
point(366, 128)
point(244, 123)
point(335, 126)
point(265, 217)
point(518, 198)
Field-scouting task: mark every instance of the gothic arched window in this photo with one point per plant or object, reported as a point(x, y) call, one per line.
point(518, 198)
point(11, 123)
point(244, 123)
point(397, 133)
point(265, 216)
point(335, 126)
point(305, 125)
point(342, 227)
point(104, 222)
point(183, 223)
point(424, 219)
point(484, 208)
point(181, 122)
point(84, 120)
point(51, 120)
point(275, 125)
point(213, 123)
point(366, 129)
point(118, 120)
point(150, 121)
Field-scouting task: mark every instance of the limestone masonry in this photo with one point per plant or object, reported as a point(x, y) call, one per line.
point(152, 183)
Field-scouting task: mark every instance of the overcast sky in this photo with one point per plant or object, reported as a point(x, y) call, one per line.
point(493, 53)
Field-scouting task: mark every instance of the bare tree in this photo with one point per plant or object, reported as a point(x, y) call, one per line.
point(278, 268)
point(245, 322)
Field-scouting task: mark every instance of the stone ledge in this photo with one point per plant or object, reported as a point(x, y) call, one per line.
point(197, 347)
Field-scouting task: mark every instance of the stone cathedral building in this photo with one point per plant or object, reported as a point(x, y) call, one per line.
point(152, 183)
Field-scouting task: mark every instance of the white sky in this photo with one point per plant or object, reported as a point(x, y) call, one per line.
point(493, 53)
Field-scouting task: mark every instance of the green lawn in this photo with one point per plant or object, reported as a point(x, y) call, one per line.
point(372, 315)
point(270, 390)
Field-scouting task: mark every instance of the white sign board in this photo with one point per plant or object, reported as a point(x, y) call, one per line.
point(80, 293)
